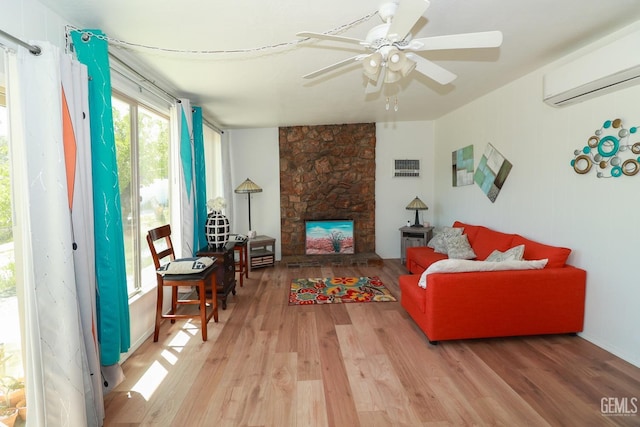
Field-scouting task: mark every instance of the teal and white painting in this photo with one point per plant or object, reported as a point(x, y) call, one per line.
point(492, 172)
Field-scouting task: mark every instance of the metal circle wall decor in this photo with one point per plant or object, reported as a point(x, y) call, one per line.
point(605, 150)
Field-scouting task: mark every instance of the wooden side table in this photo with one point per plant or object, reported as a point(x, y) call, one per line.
point(413, 236)
point(262, 252)
point(225, 276)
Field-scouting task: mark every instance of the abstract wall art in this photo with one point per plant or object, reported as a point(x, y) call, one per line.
point(492, 172)
point(462, 166)
point(611, 151)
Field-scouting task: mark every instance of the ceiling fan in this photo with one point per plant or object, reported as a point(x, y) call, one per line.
point(391, 49)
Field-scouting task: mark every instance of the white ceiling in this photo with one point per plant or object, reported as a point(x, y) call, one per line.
point(264, 88)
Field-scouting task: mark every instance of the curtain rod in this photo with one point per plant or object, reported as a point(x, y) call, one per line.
point(175, 98)
point(35, 50)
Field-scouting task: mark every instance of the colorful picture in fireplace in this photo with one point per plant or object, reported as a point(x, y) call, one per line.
point(329, 237)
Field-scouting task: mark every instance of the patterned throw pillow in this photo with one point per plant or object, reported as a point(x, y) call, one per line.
point(513, 254)
point(440, 234)
point(186, 266)
point(458, 247)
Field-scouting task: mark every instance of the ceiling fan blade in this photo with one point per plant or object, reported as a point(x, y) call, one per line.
point(331, 37)
point(408, 13)
point(432, 70)
point(457, 41)
point(334, 66)
point(374, 87)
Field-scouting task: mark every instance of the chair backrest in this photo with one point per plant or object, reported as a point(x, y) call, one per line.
point(154, 237)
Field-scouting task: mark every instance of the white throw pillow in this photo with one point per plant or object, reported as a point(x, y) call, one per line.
point(458, 247)
point(186, 266)
point(438, 242)
point(513, 254)
point(465, 265)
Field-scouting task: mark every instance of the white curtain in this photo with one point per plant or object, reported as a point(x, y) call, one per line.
point(78, 133)
point(183, 187)
point(59, 283)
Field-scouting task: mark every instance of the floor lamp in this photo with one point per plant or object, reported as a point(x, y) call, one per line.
point(248, 187)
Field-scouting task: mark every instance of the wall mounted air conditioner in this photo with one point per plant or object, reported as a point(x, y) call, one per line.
point(406, 168)
point(608, 68)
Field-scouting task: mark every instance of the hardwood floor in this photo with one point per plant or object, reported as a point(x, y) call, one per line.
point(270, 364)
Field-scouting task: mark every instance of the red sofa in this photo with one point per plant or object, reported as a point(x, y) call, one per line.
point(487, 304)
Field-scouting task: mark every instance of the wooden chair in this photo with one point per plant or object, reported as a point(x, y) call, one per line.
point(199, 280)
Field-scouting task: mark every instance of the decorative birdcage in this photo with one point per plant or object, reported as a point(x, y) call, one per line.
point(217, 229)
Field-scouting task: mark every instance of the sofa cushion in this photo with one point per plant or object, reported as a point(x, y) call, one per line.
point(487, 240)
point(470, 230)
point(421, 257)
point(440, 234)
point(186, 266)
point(533, 250)
point(515, 253)
point(458, 247)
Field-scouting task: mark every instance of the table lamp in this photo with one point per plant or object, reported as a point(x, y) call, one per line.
point(248, 187)
point(417, 205)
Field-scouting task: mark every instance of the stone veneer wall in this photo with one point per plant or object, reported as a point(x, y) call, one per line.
point(327, 172)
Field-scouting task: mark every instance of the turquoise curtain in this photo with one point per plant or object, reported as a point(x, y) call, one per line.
point(187, 194)
point(112, 299)
point(200, 212)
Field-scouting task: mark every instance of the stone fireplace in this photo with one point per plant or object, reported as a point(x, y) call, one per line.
point(327, 172)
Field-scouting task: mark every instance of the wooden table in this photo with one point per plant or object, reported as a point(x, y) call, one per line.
point(413, 236)
point(262, 252)
point(226, 274)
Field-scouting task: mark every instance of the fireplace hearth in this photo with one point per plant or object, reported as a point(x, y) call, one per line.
point(360, 259)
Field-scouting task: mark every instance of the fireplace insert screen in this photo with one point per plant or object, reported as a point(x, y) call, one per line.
point(329, 237)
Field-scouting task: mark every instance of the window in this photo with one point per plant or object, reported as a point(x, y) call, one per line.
point(11, 368)
point(213, 162)
point(142, 149)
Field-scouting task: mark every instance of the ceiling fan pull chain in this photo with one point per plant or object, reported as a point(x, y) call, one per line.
point(395, 104)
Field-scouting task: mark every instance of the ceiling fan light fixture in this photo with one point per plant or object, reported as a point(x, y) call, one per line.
point(395, 60)
point(372, 76)
point(372, 65)
point(398, 62)
point(408, 67)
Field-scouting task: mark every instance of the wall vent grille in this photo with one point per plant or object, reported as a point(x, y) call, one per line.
point(406, 168)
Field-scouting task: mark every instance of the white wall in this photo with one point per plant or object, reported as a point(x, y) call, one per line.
point(402, 140)
point(255, 155)
point(544, 199)
point(29, 20)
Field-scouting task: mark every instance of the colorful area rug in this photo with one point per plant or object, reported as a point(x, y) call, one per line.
point(338, 290)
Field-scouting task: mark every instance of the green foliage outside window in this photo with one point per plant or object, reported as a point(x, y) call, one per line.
point(6, 233)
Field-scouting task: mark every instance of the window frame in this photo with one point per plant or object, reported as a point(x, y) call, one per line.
point(134, 105)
